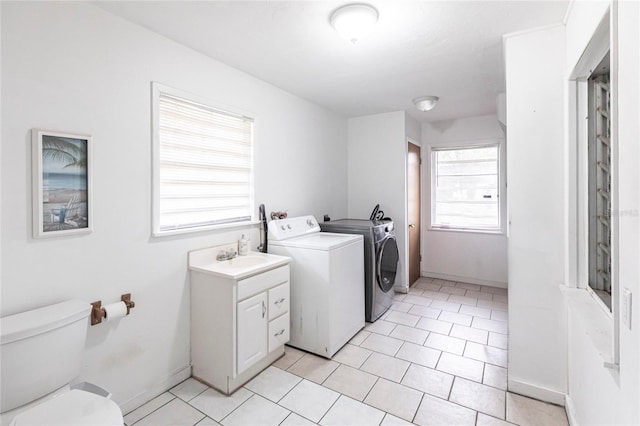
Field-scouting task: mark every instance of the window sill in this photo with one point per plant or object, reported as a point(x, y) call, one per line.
point(466, 231)
point(177, 232)
point(596, 321)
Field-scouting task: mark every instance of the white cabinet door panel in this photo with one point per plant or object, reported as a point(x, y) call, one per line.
point(252, 331)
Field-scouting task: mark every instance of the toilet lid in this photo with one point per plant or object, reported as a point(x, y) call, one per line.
point(73, 408)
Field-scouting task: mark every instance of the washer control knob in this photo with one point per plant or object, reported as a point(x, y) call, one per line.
point(282, 227)
point(289, 226)
point(311, 223)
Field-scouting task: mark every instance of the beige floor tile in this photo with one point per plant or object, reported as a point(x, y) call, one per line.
point(484, 420)
point(273, 383)
point(428, 380)
point(352, 355)
point(445, 343)
point(391, 420)
point(475, 311)
point(313, 368)
point(495, 376)
point(349, 412)
point(500, 298)
point(498, 340)
point(438, 295)
point(468, 333)
point(494, 290)
point(403, 318)
point(291, 355)
point(410, 334)
point(175, 413)
point(445, 306)
point(385, 366)
point(478, 397)
point(296, 420)
point(499, 315)
point(463, 300)
point(492, 304)
point(460, 366)
point(479, 295)
point(400, 306)
point(459, 291)
point(148, 407)
point(418, 300)
point(218, 406)
point(207, 421)
point(444, 282)
point(425, 311)
point(399, 400)
point(428, 286)
point(383, 344)
point(359, 338)
point(529, 412)
point(188, 389)
point(489, 354)
point(349, 381)
point(419, 354)
point(437, 412)
point(490, 325)
point(433, 325)
point(257, 411)
point(399, 296)
point(469, 286)
point(309, 400)
point(455, 318)
point(380, 327)
point(416, 291)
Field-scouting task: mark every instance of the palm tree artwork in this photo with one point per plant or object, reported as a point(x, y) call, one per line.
point(64, 183)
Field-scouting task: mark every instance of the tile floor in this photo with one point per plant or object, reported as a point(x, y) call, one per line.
point(437, 357)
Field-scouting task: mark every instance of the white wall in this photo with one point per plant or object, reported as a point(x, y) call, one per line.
point(377, 173)
point(535, 64)
point(463, 256)
point(598, 395)
point(73, 67)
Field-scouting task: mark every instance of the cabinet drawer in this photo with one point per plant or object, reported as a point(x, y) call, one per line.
point(254, 285)
point(278, 332)
point(278, 300)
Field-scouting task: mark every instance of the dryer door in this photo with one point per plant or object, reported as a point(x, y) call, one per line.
point(387, 263)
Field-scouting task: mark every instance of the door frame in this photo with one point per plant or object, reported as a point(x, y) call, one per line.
point(420, 207)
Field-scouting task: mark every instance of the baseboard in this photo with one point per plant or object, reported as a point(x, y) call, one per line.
point(571, 413)
point(536, 392)
point(458, 278)
point(176, 377)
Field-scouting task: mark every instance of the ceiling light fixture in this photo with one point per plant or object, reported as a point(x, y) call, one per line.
point(426, 103)
point(354, 21)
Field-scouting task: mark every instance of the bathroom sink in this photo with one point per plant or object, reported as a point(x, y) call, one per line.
point(237, 268)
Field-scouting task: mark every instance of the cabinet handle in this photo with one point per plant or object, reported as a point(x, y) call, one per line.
point(279, 301)
point(264, 309)
point(279, 333)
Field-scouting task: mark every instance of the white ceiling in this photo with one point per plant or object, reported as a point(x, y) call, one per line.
point(451, 49)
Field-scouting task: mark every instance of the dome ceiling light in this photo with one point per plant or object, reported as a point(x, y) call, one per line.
point(354, 21)
point(426, 103)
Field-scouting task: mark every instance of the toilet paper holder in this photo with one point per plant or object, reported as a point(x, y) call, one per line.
point(98, 312)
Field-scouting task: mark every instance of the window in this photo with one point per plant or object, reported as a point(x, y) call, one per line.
point(202, 169)
point(599, 181)
point(465, 184)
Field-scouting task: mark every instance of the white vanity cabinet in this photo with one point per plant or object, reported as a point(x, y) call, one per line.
point(238, 325)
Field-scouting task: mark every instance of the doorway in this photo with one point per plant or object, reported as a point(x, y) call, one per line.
point(413, 210)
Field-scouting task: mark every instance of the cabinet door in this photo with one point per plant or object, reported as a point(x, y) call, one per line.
point(252, 325)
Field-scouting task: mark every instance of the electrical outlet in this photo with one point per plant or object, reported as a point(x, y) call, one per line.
point(626, 308)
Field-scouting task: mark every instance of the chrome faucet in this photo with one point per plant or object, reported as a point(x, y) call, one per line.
point(226, 254)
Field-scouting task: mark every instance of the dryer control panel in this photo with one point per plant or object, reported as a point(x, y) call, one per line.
point(283, 229)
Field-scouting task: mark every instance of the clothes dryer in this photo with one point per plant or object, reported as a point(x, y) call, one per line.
point(381, 260)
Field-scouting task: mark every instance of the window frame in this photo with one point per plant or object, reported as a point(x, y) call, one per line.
point(156, 90)
point(502, 205)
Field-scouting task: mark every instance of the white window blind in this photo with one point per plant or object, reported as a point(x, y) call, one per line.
point(204, 163)
point(465, 184)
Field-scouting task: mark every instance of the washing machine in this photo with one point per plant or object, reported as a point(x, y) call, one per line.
point(381, 260)
point(327, 283)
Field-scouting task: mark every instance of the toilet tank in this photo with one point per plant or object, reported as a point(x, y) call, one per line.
point(41, 351)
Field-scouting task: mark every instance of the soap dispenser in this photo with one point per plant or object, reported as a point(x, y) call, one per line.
point(243, 246)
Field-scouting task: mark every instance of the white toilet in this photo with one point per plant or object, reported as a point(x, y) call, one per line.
point(41, 353)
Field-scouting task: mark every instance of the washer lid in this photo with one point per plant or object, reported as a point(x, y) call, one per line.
point(319, 241)
point(74, 408)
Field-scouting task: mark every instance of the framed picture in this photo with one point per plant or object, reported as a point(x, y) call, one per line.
point(61, 183)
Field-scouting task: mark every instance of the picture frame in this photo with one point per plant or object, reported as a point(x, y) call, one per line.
point(62, 193)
